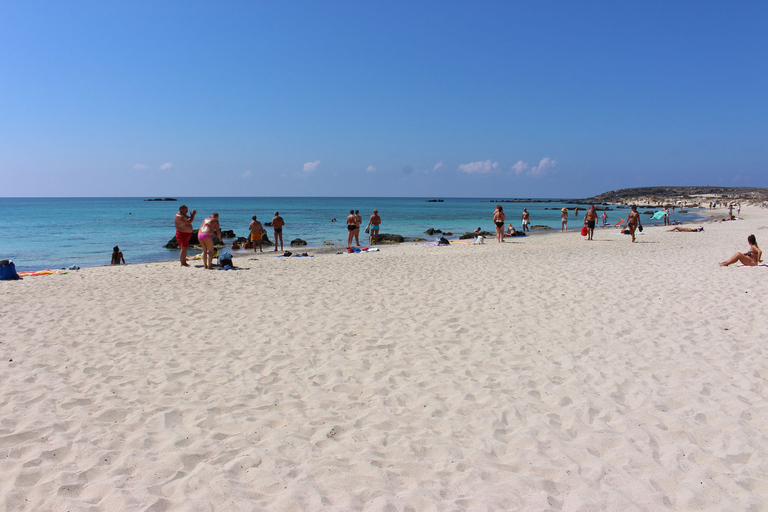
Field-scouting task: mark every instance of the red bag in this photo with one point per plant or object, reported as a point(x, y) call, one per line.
point(584, 230)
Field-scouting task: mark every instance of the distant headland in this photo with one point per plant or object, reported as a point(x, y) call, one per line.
point(685, 194)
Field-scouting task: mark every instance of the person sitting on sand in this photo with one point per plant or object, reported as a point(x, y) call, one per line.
point(235, 245)
point(510, 230)
point(751, 258)
point(687, 230)
point(117, 256)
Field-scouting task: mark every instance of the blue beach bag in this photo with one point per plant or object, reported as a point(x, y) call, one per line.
point(8, 271)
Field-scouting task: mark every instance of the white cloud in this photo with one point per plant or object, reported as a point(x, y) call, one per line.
point(371, 169)
point(479, 167)
point(520, 167)
point(246, 175)
point(310, 167)
point(166, 165)
point(545, 165)
point(139, 167)
point(439, 165)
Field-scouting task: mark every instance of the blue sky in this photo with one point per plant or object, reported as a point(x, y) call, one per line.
point(417, 98)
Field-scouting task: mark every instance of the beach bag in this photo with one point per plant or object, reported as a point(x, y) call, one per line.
point(367, 230)
point(8, 271)
point(584, 230)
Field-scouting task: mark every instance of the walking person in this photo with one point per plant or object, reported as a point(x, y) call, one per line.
point(498, 219)
point(633, 222)
point(277, 227)
point(590, 219)
point(183, 222)
point(564, 219)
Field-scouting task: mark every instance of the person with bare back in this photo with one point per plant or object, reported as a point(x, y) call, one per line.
point(277, 227)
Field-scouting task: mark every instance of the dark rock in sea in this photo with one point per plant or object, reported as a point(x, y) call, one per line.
point(432, 231)
point(434, 200)
point(298, 242)
point(472, 234)
point(227, 234)
point(388, 238)
point(539, 226)
point(418, 239)
point(162, 199)
point(268, 224)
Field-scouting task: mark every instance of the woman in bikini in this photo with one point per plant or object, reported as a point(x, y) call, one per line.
point(633, 221)
point(209, 226)
point(498, 219)
point(751, 258)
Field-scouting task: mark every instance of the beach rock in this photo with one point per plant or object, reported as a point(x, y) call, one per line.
point(228, 233)
point(297, 242)
point(327, 243)
point(472, 234)
point(539, 226)
point(418, 239)
point(432, 231)
point(388, 238)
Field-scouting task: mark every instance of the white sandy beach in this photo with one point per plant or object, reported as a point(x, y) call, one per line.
point(545, 373)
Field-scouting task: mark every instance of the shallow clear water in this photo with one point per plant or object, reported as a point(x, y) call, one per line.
point(43, 233)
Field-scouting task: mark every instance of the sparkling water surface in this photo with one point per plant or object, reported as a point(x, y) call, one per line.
point(51, 233)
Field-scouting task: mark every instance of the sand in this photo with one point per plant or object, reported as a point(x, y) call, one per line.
point(545, 373)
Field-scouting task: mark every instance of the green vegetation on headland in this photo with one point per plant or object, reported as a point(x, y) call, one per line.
point(659, 194)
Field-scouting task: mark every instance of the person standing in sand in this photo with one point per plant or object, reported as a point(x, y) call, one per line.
point(633, 221)
point(358, 222)
point(526, 220)
point(352, 227)
point(257, 232)
point(183, 223)
point(564, 219)
point(277, 227)
point(590, 219)
point(208, 228)
point(666, 216)
point(374, 224)
point(499, 218)
point(751, 258)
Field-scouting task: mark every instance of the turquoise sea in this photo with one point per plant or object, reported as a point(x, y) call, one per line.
point(51, 233)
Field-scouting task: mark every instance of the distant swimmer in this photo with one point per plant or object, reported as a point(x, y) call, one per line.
point(751, 258)
point(183, 223)
point(117, 256)
point(277, 227)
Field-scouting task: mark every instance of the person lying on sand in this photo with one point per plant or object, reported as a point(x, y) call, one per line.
point(687, 230)
point(751, 258)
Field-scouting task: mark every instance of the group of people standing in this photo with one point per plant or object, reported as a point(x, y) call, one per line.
point(355, 220)
point(210, 226)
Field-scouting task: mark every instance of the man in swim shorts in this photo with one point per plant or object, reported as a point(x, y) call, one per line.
point(183, 223)
point(526, 220)
point(374, 224)
point(352, 227)
point(590, 219)
point(277, 226)
point(257, 232)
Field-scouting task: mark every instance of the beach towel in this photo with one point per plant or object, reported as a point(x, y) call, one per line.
point(657, 215)
point(8, 271)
